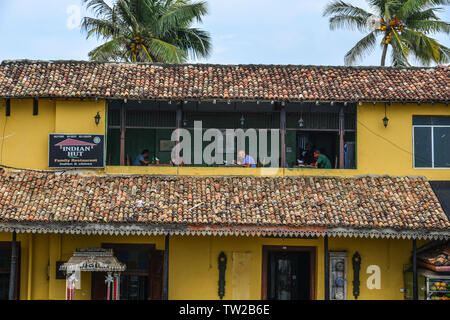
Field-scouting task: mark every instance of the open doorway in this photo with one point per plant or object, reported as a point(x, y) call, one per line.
point(326, 142)
point(288, 273)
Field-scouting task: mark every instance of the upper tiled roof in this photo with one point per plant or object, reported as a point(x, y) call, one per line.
point(79, 79)
point(401, 203)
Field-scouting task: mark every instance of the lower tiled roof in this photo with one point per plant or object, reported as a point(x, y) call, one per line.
point(401, 203)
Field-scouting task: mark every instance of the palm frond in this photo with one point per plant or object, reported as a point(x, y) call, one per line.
point(401, 48)
point(424, 48)
point(429, 26)
point(126, 14)
point(99, 7)
point(194, 41)
point(411, 6)
point(362, 48)
point(100, 27)
point(397, 58)
point(180, 14)
point(343, 8)
point(110, 50)
point(428, 14)
point(351, 22)
point(165, 51)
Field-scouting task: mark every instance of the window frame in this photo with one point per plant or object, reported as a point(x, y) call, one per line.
point(431, 126)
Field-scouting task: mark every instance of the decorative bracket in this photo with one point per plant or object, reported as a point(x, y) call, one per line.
point(222, 268)
point(356, 260)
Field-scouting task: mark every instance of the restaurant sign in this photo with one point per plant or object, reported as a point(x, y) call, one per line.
point(76, 151)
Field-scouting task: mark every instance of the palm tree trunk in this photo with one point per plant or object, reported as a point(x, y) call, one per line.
point(383, 56)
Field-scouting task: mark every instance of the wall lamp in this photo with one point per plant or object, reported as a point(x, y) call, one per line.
point(97, 118)
point(385, 119)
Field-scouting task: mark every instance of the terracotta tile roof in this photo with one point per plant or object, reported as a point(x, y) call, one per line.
point(79, 79)
point(365, 202)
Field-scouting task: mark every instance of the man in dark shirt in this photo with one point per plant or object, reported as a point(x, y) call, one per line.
point(308, 154)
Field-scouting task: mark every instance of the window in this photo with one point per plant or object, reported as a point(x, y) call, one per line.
point(431, 141)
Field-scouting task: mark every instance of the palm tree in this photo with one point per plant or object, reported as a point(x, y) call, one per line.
point(147, 30)
point(404, 25)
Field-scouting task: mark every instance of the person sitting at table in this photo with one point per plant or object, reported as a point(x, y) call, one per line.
point(308, 154)
point(246, 159)
point(140, 159)
point(322, 161)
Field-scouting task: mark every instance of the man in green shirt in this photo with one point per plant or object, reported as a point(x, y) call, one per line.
point(322, 160)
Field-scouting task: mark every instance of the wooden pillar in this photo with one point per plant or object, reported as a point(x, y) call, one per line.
point(414, 263)
point(179, 125)
point(12, 274)
point(341, 137)
point(166, 269)
point(122, 133)
point(327, 269)
point(283, 136)
point(179, 119)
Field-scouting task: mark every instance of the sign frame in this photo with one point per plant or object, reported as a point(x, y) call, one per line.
point(100, 166)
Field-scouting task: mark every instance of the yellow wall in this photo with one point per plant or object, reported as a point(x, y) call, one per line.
point(25, 137)
point(193, 267)
point(389, 150)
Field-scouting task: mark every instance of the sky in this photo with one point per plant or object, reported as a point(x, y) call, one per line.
point(242, 31)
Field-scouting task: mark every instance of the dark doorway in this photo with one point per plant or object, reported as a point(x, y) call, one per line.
point(288, 273)
point(5, 270)
point(142, 280)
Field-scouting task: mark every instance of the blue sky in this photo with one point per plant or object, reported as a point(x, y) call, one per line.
point(243, 31)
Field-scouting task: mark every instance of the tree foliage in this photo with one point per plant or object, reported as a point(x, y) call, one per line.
point(147, 30)
point(404, 26)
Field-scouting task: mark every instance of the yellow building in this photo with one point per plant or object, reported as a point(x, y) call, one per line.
point(71, 133)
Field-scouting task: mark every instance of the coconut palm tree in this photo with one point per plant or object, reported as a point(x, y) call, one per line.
point(147, 30)
point(402, 25)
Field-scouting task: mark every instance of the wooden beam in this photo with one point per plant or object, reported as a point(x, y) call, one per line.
point(341, 138)
point(12, 274)
point(166, 269)
point(35, 107)
point(414, 263)
point(327, 269)
point(283, 136)
point(8, 108)
point(122, 133)
point(179, 118)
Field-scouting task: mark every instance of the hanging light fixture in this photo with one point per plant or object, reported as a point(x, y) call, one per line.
point(385, 119)
point(242, 120)
point(301, 123)
point(97, 118)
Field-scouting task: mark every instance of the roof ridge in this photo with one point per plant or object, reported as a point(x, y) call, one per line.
point(130, 175)
point(31, 61)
